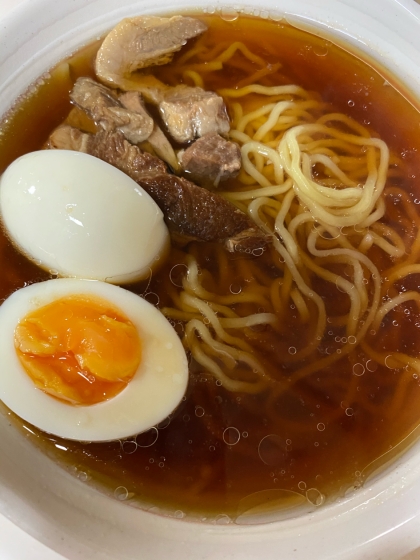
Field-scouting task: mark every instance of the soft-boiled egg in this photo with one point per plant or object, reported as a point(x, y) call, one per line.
point(75, 215)
point(88, 361)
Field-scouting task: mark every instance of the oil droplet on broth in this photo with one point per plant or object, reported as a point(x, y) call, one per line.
point(199, 411)
point(222, 519)
point(129, 446)
point(272, 450)
point(322, 49)
point(147, 439)
point(231, 436)
point(121, 493)
point(229, 14)
point(315, 497)
point(358, 369)
point(179, 514)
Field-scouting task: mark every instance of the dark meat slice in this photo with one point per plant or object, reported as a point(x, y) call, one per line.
point(100, 103)
point(211, 159)
point(157, 141)
point(191, 112)
point(112, 147)
point(139, 42)
point(190, 211)
point(199, 214)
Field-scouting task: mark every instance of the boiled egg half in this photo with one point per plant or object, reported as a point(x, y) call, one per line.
point(88, 361)
point(75, 215)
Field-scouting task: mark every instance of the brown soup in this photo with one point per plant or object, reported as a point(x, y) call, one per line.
point(325, 433)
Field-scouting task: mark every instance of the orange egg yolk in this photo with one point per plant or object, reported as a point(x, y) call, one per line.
point(79, 349)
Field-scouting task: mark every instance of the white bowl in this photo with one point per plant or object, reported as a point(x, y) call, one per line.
point(380, 520)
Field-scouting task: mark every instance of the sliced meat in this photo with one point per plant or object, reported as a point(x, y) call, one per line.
point(191, 112)
point(126, 113)
point(109, 146)
point(211, 159)
point(190, 211)
point(66, 137)
point(199, 214)
point(94, 98)
point(139, 42)
point(161, 146)
point(157, 141)
point(101, 105)
point(151, 89)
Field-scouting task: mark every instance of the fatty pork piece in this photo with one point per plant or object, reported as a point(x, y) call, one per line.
point(190, 211)
point(136, 163)
point(101, 105)
point(187, 112)
point(191, 112)
point(125, 113)
point(211, 159)
point(157, 141)
point(139, 42)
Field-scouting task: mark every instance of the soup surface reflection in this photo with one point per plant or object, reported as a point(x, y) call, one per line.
point(304, 438)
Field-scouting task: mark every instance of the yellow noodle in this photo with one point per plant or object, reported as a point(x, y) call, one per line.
point(256, 76)
point(345, 286)
point(211, 316)
point(273, 118)
point(238, 46)
point(276, 298)
point(391, 304)
point(349, 122)
point(331, 166)
point(317, 186)
point(264, 90)
point(202, 358)
point(192, 284)
point(195, 78)
point(198, 49)
point(318, 198)
point(395, 360)
point(248, 321)
point(273, 191)
point(380, 231)
point(300, 305)
point(254, 115)
point(206, 66)
point(281, 229)
point(270, 154)
point(178, 314)
point(398, 274)
point(223, 310)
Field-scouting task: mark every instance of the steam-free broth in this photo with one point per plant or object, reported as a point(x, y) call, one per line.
point(319, 436)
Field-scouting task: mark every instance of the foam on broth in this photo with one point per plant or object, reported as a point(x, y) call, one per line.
point(222, 451)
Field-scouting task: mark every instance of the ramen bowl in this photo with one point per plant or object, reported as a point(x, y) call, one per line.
point(76, 521)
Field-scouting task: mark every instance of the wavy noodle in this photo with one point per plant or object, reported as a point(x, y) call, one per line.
point(319, 184)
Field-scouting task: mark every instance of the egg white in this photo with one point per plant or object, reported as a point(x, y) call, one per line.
point(154, 392)
point(78, 216)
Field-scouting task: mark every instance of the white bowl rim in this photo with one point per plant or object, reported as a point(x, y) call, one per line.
point(59, 511)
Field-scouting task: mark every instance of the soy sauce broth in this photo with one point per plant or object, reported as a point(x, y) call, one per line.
point(220, 448)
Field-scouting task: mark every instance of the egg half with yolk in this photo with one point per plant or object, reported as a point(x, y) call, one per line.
point(75, 215)
point(88, 361)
